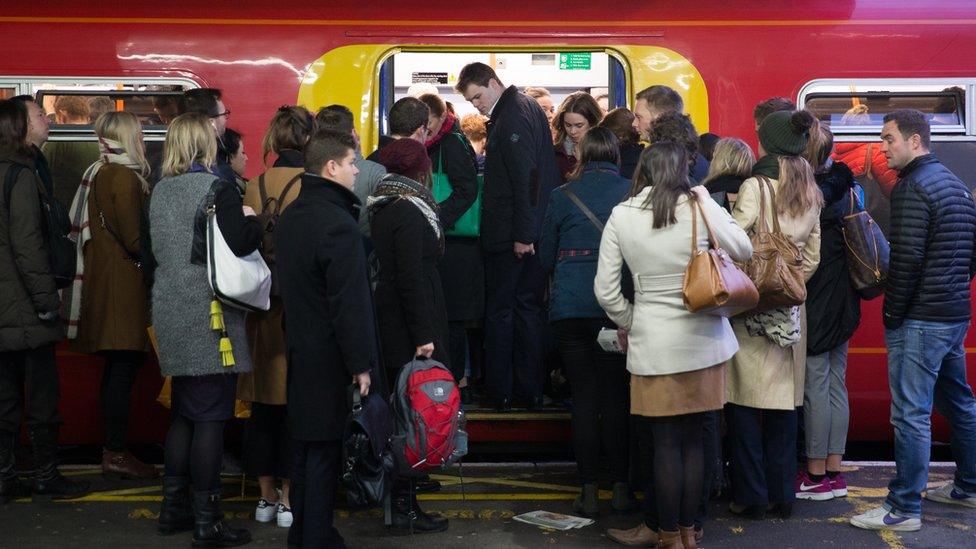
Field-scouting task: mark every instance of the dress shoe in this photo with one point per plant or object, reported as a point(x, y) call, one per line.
point(124, 465)
point(638, 536)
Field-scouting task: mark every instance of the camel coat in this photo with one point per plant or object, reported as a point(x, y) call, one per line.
point(267, 383)
point(763, 374)
point(114, 300)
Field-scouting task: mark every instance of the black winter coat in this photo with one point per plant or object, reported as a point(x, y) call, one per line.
point(520, 172)
point(329, 330)
point(833, 305)
point(932, 236)
point(629, 158)
point(409, 297)
point(462, 268)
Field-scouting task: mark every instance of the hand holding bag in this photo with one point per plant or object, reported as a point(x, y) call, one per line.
point(713, 284)
point(241, 282)
point(867, 251)
point(776, 266)
point(366, 458)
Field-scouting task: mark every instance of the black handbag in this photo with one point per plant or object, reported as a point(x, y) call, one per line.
point(366, 458)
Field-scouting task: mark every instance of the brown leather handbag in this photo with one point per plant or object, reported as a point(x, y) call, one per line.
point(776, 266)
point(713, 284)
point(867, 251)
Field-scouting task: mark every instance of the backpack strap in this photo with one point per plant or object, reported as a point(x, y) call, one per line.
point(284, 192)
point(263, 190)
point(582, 207)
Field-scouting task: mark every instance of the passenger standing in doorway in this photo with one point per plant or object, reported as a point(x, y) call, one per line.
point(766, 376)
point(475, 128)
point(678, 128)
point(210, 103)
point(769, 106)
point(568, 249)
point(462, 268)
point(408, 120)
point(109, 306)
point(676, 358)
point(267, 445)
point(621, 122)
point(544, 99)
point(926, 317)
point(520, 172)
point(577, 114)
point(731, 165)
point(29, 323)
point(329, 329)
point(655, 101)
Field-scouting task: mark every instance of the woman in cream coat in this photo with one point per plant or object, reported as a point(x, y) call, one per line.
point(676, 358)
point(765, 382)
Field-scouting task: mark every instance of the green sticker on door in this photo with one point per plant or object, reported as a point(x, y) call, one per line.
point(575, 61)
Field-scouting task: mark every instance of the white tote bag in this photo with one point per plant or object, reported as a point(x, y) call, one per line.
point(241, 282)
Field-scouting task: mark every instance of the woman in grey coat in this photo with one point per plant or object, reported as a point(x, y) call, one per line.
point(183, 313)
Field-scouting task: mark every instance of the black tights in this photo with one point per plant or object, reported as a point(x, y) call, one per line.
point(679, 468)
point(195, 449)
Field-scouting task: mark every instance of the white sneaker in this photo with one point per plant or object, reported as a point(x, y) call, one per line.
point(265, 511)
point(948, 493)
point(880, 518)
point(284, 516)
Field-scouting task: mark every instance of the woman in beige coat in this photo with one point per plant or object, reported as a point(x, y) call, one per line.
point(266, 449)
point(765, 383)
point(676, 358)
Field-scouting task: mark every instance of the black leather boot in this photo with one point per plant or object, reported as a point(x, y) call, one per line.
point(210, 529)
point(176, 513)
point(409, 518)
point(48, 482)
point(9, 483)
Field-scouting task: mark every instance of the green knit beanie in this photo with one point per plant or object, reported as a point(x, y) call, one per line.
point(785, 133)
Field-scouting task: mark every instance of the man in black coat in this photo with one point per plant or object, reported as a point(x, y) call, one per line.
point(926, 316)
point(328, 322)
point(520, 172)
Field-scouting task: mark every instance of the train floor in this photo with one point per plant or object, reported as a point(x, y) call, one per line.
point(481, 510)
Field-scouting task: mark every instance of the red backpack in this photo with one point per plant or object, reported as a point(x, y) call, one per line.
point(428, 419)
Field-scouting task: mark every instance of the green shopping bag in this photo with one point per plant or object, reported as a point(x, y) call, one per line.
point(469, 224)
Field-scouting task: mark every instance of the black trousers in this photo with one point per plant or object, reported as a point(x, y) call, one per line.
point(513, 325)
point(30, 375)
point(315, 476)
point(763, 454)
point(118, 377)
point(267, 446)
point(601, 399)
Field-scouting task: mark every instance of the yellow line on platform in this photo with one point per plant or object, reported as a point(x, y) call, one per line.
point(510, 482)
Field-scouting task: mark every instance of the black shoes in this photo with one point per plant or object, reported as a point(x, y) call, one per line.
point(209, 528)
point(754, 512)
point(408, 518)
point(176, 513)
point(49, 483)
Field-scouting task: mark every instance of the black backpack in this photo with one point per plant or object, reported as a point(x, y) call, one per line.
point(55, 224)
point(366, 458)
point(270, 211)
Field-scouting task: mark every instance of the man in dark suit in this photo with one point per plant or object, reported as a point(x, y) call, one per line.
point(329, 330)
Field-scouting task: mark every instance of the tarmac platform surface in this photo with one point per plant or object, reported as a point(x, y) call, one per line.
point(122, 515)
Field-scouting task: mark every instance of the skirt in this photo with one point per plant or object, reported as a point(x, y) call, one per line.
point(678, 394)
point(205, 398)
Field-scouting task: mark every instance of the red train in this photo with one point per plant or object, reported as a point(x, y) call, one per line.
point(722, 57)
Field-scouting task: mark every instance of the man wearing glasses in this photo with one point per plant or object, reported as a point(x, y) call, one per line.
point(208, 101)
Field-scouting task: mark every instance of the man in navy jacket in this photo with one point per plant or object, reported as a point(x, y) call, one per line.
point(926, 316)
point(520, 172)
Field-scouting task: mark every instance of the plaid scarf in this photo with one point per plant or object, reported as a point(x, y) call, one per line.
point(394, 187)
point(112, 153)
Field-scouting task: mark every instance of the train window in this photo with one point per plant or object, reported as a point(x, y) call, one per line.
point(6, 92)
point(74, 108)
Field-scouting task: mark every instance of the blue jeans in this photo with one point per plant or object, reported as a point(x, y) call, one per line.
point(926, 364)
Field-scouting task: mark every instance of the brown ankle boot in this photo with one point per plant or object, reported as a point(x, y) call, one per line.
point(688, 537)
point(638, 536)
point(124, 465)
point(668, 540)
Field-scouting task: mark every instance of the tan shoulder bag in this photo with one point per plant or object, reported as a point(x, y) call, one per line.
point(776, 266)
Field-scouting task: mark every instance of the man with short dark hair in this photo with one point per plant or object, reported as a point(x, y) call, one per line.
point(408, 119)
point(652, 102)
point(339, 118)
point(769, 106)
point(328, 328)
point(210, 102)
point(678, 128)
point(520, 172)
point(926, 317)
point(657, 101)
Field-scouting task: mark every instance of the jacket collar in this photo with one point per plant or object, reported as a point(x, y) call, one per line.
point(289, 158)
point(507, 97)
point(915, 164)
point(601, 166)
point(317, 186)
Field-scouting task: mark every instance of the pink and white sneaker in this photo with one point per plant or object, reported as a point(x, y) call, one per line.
point(838, 486)
point(808, 489)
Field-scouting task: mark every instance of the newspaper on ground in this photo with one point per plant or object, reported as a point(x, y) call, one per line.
point(555, 521)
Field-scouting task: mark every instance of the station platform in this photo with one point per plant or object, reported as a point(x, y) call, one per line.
point(122, 515)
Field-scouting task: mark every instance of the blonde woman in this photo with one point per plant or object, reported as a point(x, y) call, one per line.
point(192, 346)
point(767, 374)
point(109, 295)
point(732, 163)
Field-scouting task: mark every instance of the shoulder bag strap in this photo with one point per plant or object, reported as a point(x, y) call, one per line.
point(761, 223)
point(772, 203)
point(694, 229)
point(262, 190)
point(582, 207)
point(869, 162)
point(712, 242)
point(108, 227)
point(284, 193)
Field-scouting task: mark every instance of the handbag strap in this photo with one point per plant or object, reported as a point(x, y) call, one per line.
point(110, 230)
point(582, 207)
point(765, 183)
point(712, 242)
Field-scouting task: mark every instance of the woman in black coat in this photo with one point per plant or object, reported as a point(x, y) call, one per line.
point(462, 268)
point(408, 240)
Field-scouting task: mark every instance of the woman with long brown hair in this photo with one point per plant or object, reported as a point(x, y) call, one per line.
point(576, 115)
point(676, 358)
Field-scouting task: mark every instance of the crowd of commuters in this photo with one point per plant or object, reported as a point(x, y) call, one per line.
point(582, 227)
